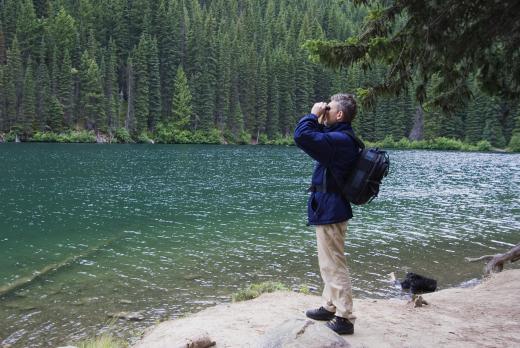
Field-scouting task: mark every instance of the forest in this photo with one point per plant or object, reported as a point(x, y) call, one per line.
point(209, 71)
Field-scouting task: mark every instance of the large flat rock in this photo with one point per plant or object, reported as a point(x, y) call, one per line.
point(484, 316)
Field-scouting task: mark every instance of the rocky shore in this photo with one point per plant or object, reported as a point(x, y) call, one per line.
point(487, 315)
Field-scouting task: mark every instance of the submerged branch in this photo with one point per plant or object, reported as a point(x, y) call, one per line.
point(496, 262)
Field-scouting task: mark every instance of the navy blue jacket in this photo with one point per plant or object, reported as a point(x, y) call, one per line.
point(334, 150)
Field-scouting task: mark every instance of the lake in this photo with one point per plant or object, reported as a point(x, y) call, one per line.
point(171, 229)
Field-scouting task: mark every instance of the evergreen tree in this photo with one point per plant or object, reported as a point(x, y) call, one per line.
point(273, 97)
point(92, 115)
point(43, 93)
point(493, 132)
point(182, 109)
point(154, 83)
point(236, 121)
point(261, 100)
point(14, 84)
point(110, 86)
point(3, 48)
point(27, 28)
point(130, 121)
point(141, 101)
point(223, 82)
point(64, 88)
point(28, 115)
point(61, 31)
point(3, 121)
point(54, 111)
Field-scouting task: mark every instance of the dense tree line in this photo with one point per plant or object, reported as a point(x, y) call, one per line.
point(156, 66)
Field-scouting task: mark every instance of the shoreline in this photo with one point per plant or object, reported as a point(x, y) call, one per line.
point(216, 137)
point(479, 316)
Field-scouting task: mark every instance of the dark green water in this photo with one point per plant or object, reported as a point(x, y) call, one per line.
point(169, 230)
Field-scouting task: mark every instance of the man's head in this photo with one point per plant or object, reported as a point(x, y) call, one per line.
point(342, 108)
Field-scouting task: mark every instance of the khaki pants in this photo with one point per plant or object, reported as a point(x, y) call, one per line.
point(337, 291)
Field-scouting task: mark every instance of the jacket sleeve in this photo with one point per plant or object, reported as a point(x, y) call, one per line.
point(309, 137)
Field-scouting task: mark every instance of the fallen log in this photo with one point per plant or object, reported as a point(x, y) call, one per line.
point(496, 262)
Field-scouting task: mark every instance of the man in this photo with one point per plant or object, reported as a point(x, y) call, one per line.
point(321, 135)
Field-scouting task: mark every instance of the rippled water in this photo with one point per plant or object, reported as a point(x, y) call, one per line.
point(168, 230)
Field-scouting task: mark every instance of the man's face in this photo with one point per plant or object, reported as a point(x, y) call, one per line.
point(333, 115)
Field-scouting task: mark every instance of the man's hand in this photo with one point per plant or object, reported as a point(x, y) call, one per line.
point(319, 109)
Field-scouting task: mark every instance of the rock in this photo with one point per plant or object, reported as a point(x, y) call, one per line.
point(200, 341)
point(131, 316)
point(123, 301)
point(101, 138)
point(295, 333)
point(419, 302)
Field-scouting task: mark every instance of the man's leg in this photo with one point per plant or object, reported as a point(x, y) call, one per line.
point(337, 291)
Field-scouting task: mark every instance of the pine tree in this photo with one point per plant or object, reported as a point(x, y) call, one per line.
point(27, 28)
point(154, 86)
point(182, 109)
point(93, 114)
point(3, 121)
point(62, 31)
point(141, 101)
point(43, 93)
point(130, 121)
point(236, 121)
point(223, 82)
point(261, 100)
point(28, 115)
point(170, 52)
point(64, 88)
point(14, 84)
point(3, 47)
point(273, 97)
point(493, 132)
point(110, 86)
point(54, 111)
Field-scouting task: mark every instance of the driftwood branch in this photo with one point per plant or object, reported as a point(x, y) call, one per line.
point(495, 263)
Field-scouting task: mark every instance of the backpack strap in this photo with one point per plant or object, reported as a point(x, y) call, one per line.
point(323, 187)
point(355, 138)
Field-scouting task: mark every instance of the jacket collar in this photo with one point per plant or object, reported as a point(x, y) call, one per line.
point(338, 127)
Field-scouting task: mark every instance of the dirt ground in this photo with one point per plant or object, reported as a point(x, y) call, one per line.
point(487, 315)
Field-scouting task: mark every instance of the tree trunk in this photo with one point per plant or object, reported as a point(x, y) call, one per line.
point(496, 262)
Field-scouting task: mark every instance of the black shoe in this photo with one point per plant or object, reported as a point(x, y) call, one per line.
point(341, 326)
point(319, 314)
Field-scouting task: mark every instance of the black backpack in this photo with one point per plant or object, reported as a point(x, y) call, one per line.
point(361, 184)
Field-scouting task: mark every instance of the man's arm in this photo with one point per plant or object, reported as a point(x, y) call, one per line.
point(309, 137)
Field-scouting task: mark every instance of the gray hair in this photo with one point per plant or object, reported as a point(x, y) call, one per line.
point(347, 104)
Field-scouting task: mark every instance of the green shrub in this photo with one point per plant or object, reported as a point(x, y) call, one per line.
point(304, 289)
point(281, 140)
point(244, 138)
point(182, 137)
point(164, 134)
point(10, 137)
point(143, 138)
point(263, 139)
point(483, 145)
point(123, 136)
point(255, 290)
point(45, 137)
point(388, 142)
point(514, 143)
point(82, 136)
point(206, 137)
point(443, 143)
